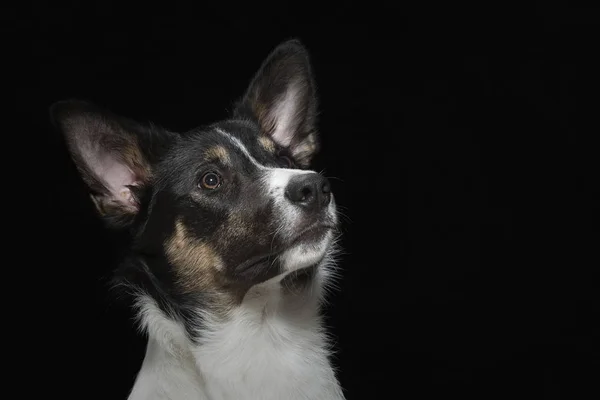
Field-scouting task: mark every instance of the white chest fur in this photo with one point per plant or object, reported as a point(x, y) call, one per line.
point(270, 349)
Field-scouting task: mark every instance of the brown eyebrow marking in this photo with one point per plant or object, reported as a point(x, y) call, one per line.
point(218, 153)
point(267, 144)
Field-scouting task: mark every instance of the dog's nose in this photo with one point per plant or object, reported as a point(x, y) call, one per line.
point(311, 191)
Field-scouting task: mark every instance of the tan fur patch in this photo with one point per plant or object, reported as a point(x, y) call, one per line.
point(305, 151)
point(196, 263)
point(267, 144)
point(199, 268)
point(218, 153)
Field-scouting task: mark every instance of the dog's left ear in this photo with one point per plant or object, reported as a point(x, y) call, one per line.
point(282, 98)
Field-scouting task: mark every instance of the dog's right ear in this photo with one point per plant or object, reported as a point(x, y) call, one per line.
point(114, 155)
point(282, 99)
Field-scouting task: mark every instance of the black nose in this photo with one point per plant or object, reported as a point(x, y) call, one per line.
point(311, 191)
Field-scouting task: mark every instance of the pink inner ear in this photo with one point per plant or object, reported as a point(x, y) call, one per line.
point(284, 115)
point(116, 176)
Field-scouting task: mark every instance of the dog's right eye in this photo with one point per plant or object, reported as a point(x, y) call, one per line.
point(210, 180)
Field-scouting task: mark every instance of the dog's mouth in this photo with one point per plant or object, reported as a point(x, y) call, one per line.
point(312, 234)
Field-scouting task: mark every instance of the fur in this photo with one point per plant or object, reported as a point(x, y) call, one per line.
point(231, 239)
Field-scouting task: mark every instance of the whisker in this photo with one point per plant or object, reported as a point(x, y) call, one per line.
point(275, 233)
point(335, 178)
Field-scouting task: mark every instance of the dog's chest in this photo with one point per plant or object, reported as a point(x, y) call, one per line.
point(259, 354)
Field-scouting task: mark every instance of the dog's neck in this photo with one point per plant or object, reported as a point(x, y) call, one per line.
point(271, 346)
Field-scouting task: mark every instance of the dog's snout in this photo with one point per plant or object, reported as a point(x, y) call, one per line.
point(311, 191)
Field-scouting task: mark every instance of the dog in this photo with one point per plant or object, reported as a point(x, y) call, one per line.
point(231, 238)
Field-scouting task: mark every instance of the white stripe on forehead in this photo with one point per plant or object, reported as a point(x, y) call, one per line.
point(237, 143)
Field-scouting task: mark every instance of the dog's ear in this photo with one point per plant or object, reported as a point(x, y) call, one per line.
point(114, 155)
point(282, 98)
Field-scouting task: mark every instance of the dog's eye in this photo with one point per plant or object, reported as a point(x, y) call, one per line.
point(286, 162)
point(210, 180)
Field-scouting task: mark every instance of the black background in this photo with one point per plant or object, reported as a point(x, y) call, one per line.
point(462, 140)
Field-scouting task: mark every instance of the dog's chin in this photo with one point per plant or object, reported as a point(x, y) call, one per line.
point(307, 249)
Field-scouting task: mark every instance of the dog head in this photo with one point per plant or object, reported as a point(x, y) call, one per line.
point(222, 207)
